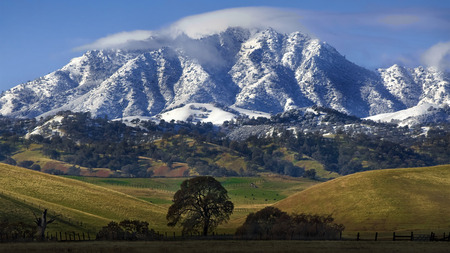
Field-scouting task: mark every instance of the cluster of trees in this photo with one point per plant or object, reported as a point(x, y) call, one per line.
point(346, 154)
point(131, 230)
point(100, 143)
point(272, 223)
point(17, 231)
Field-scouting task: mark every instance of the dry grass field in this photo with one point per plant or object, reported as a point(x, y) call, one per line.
point(382, 200)
point(72, 200)
point(413, 199)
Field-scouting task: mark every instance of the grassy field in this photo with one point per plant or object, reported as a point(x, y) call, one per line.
point(249, 194)
point(383, 200)
point(34, 153)
point(230, 246)
point(73, 201)
point(88, 203)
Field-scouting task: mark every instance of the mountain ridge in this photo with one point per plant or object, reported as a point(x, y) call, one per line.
point(264, 71)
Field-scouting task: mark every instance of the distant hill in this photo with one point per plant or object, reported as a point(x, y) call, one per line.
point(384, 200)
point(24, 191)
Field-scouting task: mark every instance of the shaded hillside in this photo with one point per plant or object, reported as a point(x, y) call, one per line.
point(385, 200)
point(287, 144)
point(24, 191)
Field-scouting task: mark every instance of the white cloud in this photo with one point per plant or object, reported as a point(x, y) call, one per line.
point(438, 56)
point(399, 19)
point(118, 40)
point(201, 25)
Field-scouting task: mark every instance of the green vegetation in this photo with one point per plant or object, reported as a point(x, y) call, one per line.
point(200, 205)
point(384, 200)
point(272, 223)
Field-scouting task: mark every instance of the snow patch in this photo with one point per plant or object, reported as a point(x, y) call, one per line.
point(402, 116)
point(198, 112)
point(49, 128)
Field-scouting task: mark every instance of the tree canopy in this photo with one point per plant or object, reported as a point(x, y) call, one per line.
point(200, 205)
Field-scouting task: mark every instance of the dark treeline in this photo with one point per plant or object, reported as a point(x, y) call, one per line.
point(101, 143)
point(130, 230)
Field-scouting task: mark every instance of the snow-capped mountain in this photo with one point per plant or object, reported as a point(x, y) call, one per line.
point(261, 70)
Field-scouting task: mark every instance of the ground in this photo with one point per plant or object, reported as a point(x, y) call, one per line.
point(229, 246)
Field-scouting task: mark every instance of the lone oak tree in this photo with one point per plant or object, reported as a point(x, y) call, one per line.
point(201, 204)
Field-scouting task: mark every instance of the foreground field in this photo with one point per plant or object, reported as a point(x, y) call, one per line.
point(87, 204)
point(78, 205)
point(403, 200)
point(230, 246)
point(249, 194)
point(383, 200)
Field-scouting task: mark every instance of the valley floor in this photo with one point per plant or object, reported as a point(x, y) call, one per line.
point(229, 246)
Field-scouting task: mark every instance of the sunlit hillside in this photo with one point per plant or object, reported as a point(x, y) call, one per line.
point(77, 205)
point(383, 200)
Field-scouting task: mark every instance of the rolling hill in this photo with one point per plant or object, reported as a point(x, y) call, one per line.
point(24, 191)
point(383, 200)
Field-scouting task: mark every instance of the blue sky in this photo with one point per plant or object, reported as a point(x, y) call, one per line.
point(38, 37)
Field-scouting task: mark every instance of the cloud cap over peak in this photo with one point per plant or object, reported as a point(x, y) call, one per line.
point(201, 25)
point(197, 26)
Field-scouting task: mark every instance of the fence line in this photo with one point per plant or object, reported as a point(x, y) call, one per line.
point(406, 237)
point(175, 236)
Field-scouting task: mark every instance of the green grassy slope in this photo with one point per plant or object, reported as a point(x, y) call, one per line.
point(383, 200)
point(23, 191)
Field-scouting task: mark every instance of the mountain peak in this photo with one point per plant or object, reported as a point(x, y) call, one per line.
point(253, 69)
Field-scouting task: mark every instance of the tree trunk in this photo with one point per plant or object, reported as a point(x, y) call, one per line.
point(205, 228)
point(42, 223)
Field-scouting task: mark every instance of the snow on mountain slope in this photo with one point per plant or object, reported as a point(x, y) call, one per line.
point(198, 112)
point(49, 128)
point(400, 82)
point(420, 114)
point(250, 113)
point(418, 85)
point(256, 70)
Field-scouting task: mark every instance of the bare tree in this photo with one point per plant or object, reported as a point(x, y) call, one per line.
point(42, 223)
